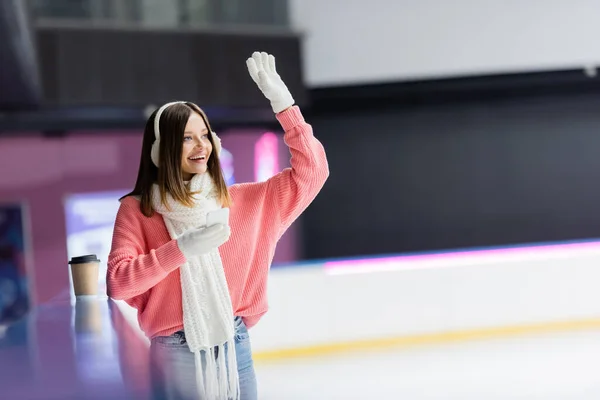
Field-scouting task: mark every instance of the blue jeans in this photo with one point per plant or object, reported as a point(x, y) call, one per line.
point(173, 369)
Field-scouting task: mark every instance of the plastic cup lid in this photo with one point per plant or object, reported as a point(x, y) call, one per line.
point(84, 259)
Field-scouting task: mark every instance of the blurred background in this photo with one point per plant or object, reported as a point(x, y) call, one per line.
point(462, 140)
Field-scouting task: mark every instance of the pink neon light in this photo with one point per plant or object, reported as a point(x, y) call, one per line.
point(266, 159)
point(464, 258)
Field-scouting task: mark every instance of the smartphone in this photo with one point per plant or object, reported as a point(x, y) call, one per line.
point(220, 216)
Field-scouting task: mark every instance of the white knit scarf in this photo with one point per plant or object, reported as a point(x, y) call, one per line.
point(207, 311)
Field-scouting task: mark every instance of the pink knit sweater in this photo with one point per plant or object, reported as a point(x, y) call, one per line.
point(143, 265)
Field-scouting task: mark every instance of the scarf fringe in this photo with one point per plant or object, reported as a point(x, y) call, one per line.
point(223, 373)
point(199, 373)
point(217, 377)
point(234, 381)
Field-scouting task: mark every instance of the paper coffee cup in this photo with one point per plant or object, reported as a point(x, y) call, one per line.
point(84, 273)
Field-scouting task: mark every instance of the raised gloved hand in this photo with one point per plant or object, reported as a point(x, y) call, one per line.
point(261, 67)
point(200, 241)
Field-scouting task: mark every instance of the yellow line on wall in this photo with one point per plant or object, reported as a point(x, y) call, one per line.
point(426, 339)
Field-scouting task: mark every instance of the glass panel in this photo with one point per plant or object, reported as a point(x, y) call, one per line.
point(168, 13)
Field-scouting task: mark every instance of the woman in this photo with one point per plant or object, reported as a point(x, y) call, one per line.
point(198, 289)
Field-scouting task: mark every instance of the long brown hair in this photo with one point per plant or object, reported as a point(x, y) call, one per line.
point(169, 176)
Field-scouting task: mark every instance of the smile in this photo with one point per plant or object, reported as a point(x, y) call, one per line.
point(199, 157)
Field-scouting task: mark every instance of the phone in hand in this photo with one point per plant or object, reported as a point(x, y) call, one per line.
point(220, 216)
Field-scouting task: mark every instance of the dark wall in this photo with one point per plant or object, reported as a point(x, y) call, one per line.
point(86, 66)
point(104, 77)
point(482, 172)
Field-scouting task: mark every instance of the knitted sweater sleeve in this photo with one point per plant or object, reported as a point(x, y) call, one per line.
point(296, 187)
point(132, 268)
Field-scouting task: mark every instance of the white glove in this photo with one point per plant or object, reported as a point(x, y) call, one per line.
point(203, 240)
point(262, 70)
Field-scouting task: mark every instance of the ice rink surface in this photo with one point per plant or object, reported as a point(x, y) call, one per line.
point(542, 366)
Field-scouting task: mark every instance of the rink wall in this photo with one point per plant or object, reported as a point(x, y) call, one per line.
point(336, 306)
point(345, 305)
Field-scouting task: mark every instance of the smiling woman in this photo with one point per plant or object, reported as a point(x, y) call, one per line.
point(199, 286)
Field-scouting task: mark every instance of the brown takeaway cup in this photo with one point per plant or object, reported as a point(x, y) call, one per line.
point(84, 272)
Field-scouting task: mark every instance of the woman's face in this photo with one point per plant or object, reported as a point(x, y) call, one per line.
point(197, 147)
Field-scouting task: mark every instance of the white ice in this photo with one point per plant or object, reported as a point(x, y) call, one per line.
point(555, 366)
